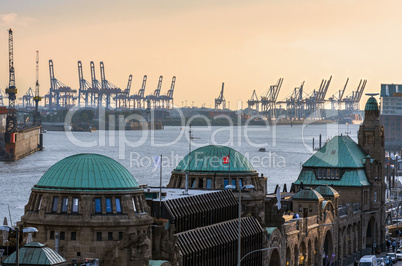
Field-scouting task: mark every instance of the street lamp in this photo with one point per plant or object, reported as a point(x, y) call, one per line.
point(25, 230)
point(240, 188)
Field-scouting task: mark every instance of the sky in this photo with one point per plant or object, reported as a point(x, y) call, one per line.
point(248, 45)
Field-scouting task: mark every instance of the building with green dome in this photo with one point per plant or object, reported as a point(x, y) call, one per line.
point(90, 206)
point(214, 167)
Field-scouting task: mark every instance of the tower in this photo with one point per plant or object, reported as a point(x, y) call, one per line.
point(371, 132)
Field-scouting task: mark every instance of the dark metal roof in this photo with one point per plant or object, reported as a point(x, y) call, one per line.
point(217, 234)
point(201, 210)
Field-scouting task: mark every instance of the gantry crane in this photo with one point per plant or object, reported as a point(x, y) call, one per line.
point(37, 98)
point(96, 95)
point(221, 99)
point(27, 99)
point(139, 97)
point(60, 92)
point(295, 103)
point(11, 121)
point(253, 101)
point(268, 99)
point(168, 98)
point(84, 92)
point(352, 100)
point(108, 90)
point(123, 98)
point(153, 99)
point(336, 98)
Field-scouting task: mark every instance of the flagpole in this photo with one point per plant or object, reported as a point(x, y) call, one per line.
point(230, 180)
point(160, 188)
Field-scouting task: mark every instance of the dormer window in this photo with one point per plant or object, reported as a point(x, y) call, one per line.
point(327, 173)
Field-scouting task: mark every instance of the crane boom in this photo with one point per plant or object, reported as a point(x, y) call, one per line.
point(142, 90)
point(130, 79)
point(343, 91)
point(37, 98)
point(11, 121)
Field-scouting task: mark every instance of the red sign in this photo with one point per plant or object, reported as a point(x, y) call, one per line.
point(225, 159)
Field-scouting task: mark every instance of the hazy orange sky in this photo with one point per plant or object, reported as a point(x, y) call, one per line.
point(246, 44)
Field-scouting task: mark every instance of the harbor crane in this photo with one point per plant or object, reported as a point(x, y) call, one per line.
point(108, 90)
point(254, 101)
point(61, 93)
point(221, 99)
point(139, 97)
point(153, 99)
point(37, 98)
point(11, 120)
point(85, 91)
point(27, 99)
point(269, 98)
point(315, 101)
point(336, 98)
point(96, 95)
point(295, 103)
point(168, 98)
point(352, 100)
point(123, 98)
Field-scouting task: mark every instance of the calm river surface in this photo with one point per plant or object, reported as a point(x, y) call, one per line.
point(287, 148)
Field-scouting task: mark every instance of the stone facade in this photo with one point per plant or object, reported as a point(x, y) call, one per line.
point(120, 235)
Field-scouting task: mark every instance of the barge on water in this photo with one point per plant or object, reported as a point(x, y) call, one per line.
point(14, 146)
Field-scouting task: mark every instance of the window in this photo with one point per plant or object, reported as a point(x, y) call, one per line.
point(120, 235)
point(108, 205)
point(233, 182)
point(75, 205)
point(225, 182)
point(209, 183)
point(319, 173)
point(134, 206)
point(118, 205)
point(51, 235)
point(140, 203)
point(193, 182)
point(73, 236)
point(55, 204)
point(300, 208)
point(40, 202)
point(98, 236)
point(110, 236)
point(64, 204)
point(98, 206)
point(241, 182)
point(62, 235)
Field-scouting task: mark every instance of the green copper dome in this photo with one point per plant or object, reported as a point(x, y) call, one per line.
point(87, 172)
point(371, 104)
point(213, 159)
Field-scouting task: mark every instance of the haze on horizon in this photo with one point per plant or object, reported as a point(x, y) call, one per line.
point(246, 44)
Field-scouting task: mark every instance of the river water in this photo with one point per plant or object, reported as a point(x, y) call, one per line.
point(287, 148)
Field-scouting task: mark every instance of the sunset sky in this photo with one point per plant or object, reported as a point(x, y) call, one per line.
point(246, 44)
